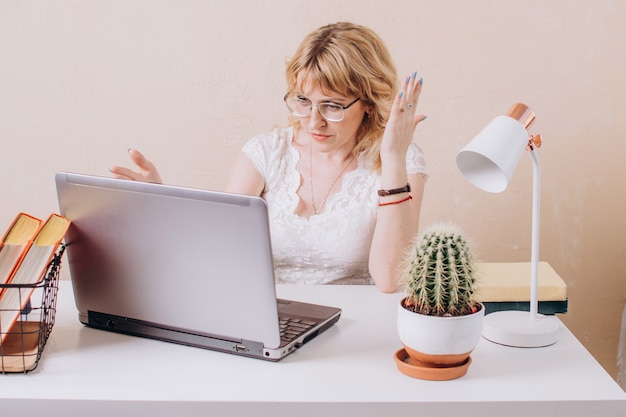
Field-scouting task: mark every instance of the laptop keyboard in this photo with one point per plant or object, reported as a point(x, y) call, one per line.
point(291, 328)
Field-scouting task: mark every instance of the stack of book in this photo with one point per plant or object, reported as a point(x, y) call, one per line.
point(26, 251)
point(506, 286)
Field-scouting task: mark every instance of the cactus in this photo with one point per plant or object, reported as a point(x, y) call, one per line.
point(438, 273)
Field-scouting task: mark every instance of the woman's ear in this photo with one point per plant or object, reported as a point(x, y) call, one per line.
point(369, 108)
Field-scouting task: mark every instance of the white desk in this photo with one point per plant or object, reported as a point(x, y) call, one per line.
point(349, 370)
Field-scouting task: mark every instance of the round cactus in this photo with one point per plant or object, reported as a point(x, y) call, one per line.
point(438, 273)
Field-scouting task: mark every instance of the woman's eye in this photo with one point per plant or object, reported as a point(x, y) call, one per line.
point(302, 100)
point(332, 107)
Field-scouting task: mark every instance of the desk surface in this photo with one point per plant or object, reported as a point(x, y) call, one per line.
point(348, 370)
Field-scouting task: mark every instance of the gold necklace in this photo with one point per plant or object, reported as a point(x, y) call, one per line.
point(331, 185)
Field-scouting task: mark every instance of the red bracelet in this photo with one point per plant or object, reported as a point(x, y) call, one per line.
point(395, 202)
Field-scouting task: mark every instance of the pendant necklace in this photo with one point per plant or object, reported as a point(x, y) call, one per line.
point(315, 210)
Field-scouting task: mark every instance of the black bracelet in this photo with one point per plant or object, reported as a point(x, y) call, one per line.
point(405, 189)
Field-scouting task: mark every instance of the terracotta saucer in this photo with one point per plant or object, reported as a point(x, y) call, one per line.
point(428, 371)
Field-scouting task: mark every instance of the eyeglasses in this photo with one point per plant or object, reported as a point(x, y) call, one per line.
point(302, 106)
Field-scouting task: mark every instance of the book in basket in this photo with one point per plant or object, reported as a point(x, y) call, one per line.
point(15, 243)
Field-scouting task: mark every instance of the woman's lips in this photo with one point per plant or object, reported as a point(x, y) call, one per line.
point(318, 138)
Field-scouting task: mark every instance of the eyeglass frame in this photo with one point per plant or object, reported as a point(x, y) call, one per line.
point(344, 108)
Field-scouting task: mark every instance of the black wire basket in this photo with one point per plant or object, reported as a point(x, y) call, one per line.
point(22, 343)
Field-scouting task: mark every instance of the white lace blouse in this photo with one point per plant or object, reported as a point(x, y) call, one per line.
point(330, 247)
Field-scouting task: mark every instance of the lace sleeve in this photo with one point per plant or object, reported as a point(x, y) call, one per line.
point(415, 161)
point(272, 155)
point(256, 150)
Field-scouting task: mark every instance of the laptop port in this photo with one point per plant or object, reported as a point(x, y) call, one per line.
point(241, 348)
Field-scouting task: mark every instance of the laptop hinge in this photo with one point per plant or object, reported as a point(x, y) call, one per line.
point(144, 329)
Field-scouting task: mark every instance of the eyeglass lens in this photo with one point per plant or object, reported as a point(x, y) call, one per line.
point(301, 107)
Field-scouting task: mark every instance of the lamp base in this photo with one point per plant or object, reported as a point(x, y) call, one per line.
point(519, 329)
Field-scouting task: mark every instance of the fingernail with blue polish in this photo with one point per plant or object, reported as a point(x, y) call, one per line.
point(421, 81)
point(400, 94)
point(414, 74)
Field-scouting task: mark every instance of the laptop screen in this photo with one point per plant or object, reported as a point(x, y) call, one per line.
point(189, 259)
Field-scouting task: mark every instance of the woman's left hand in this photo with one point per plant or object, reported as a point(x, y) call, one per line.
point(403, 119)
point(147, 171)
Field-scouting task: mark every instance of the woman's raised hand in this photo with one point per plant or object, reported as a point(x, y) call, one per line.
point(403, 119)
point(147, 171)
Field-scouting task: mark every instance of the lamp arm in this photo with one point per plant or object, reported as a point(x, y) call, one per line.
point(534, 251)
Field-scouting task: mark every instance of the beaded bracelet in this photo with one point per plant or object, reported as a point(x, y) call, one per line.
point(395, 202)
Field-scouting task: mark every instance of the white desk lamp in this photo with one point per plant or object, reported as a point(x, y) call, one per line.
point(488, 162)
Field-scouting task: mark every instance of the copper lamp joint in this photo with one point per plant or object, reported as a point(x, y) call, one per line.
point(525, 116)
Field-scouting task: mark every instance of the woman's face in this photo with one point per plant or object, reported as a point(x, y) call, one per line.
point(329, 133)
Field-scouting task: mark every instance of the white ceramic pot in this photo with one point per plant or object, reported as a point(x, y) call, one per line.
point(440, 339)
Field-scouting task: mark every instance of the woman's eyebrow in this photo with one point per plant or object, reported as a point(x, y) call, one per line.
point(334, 100)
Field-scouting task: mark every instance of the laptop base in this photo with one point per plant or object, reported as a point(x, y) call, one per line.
point(248, 348)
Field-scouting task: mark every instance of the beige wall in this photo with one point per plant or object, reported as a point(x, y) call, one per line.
point(188, 82)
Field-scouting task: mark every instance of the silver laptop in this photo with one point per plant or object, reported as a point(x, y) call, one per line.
point(181, 265)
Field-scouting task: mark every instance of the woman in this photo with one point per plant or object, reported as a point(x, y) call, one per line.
point(344, 182)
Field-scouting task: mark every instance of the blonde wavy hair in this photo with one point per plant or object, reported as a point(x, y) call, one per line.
point(353, 61)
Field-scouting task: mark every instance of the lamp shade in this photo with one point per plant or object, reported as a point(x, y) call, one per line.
point(490, 159)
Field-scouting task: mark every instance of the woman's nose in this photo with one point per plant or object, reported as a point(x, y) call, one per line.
point(315, 118)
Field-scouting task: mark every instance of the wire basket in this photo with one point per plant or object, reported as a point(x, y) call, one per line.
point(23, 342)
